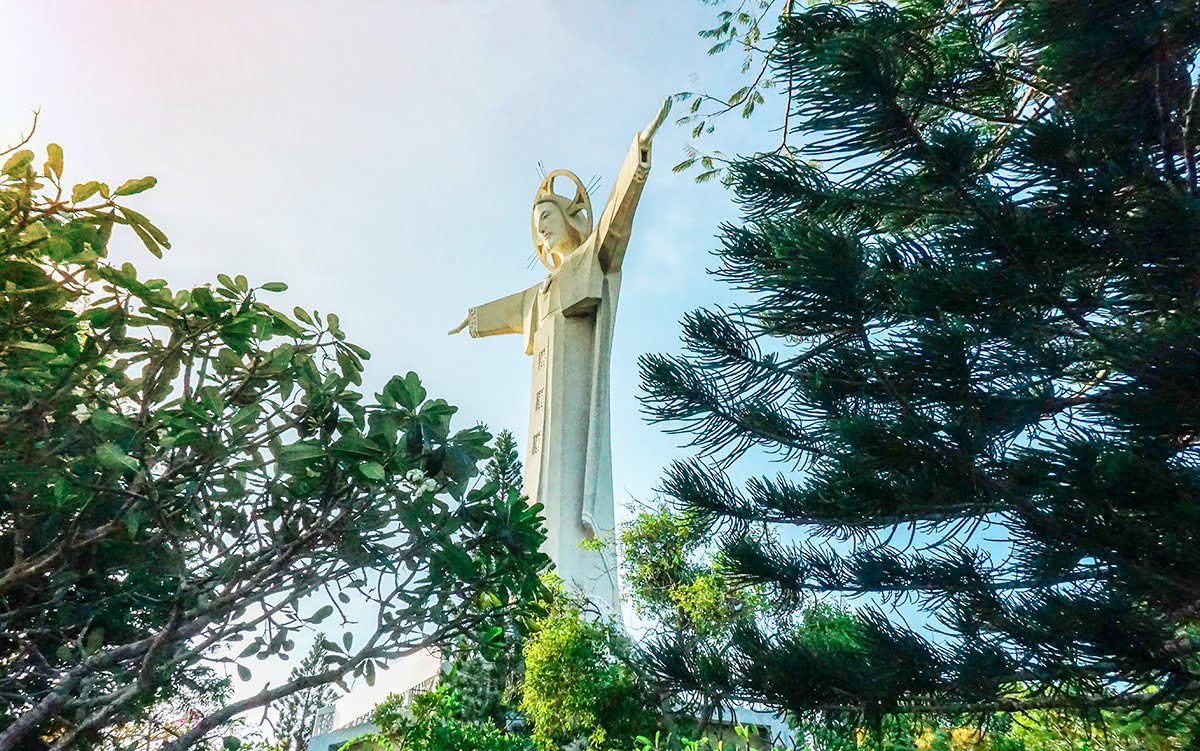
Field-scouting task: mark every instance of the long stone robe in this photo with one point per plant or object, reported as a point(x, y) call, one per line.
point(567, 324)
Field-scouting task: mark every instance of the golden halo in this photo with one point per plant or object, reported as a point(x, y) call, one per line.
point(582, 203)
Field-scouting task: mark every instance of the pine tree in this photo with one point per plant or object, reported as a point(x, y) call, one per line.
point(298, 712)
point(971, 335)
point(504, 468)
point(485, 686)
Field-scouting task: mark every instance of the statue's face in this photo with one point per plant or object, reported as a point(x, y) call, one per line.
point(551, 225)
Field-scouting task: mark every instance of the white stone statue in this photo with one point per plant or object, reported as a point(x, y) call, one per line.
point(567, 323)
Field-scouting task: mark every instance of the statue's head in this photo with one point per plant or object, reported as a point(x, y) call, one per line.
point(560, 224)
point(560, 233)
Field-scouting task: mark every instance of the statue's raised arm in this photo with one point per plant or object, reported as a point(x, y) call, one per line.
point(612, 231)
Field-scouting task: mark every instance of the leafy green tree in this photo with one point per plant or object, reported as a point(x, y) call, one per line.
point(675, 579)
point(676, 582)
point(184, 470)
point(435, 722)
point(579, 684)
point(185, 704)
point(970, 327)
point(297, 714)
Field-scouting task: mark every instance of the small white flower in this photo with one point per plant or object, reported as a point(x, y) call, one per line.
point(429, 486)
point(415, 476)
point(81, 412)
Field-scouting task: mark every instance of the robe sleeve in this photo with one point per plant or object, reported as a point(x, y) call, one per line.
point(612, 231)
point(504, 316)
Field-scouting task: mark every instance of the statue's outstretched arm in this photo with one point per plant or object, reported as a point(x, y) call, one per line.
point(612, 231)
point(503, 316)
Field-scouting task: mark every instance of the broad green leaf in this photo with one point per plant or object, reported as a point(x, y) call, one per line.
point(84, 191)
point(229, 359)
point(331, 646)
point(137, 220)
point(54, 164)
point(33, 233)
point(459, 562)
point(322, 613)
point(287, 323)
point(298, 452)
point(146, 239)
point(371, 470)
point(129, 187)
point(211, 398)
point(35, 347)
point(113, 420)
point(407, 391)
point(245, 415)
point(243, 673)
point(110, 455)
point(17, 163)
point(355, 446)
point(275, 287)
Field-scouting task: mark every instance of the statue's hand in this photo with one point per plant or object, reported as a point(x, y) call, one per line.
point(460, 326)
point(647, 134)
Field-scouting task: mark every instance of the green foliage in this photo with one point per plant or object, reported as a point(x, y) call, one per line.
point(678, 583)
point(1161, 728)
point(435, 722)
point(969, 333)
point(297, 714)
point(675, 579)
point(740, 738)
point(181, 470)
point(486, 682)
point(577, 686)
point(739, 31)
point(504, 468)
point(487, 688)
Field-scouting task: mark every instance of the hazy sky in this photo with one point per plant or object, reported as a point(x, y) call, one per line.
point(380, 157)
